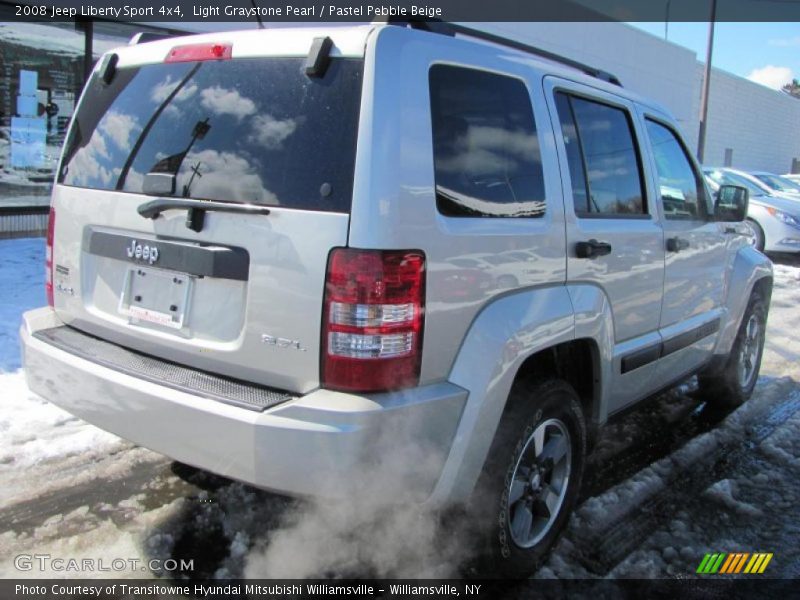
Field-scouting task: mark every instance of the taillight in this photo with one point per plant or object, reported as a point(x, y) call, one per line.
point(196, 52)
point(372, 319)
point(48, 257)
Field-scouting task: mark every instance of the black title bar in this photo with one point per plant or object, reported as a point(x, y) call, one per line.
point(277, 11)
point(133, 589)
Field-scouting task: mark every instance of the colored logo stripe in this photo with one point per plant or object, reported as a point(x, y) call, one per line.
point(741, 562)
point(758, 563)
point(734, 563)
point(703, 564)
point(729, 564)
point(711, 563)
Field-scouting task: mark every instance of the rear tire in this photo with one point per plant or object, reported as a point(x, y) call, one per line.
point(531, 479)
point(734, 384)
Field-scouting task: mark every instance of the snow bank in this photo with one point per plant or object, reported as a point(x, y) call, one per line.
point(33, 431)
point(37, 439)
point(22, 285)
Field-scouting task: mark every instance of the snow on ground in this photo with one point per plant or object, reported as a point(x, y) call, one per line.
point(21, 288)
point(38, 441)
point(665, 485)
point(783, 339)
point(729, 489)
point(735, 487)
point(34, 431)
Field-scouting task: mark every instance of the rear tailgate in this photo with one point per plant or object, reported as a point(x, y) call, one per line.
point(231, 293)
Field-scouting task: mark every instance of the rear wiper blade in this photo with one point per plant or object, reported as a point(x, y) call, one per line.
point(196, 209)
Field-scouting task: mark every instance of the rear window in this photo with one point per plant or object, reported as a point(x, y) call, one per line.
point(254, 130)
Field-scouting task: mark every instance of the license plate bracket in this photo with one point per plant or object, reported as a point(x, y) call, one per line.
point(154, 297)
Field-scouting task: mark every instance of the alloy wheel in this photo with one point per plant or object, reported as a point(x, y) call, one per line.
point(539, 483)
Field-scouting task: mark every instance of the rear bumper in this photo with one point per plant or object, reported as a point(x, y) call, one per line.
point(325, 443)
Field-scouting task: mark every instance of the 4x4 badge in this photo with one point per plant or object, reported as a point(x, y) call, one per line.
point(144, 252)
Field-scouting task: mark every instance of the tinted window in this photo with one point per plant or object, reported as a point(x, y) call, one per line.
point(486, 153)
point(603, 158)
point(248, 130)
point(682, 191)
point(572, 144)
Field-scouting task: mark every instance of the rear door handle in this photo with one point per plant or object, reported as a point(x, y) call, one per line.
point(677, 244)
point(591, 249)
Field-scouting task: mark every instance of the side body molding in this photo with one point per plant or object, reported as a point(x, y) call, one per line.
point(502, 336)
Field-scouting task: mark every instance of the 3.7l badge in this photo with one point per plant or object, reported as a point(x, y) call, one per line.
point(281, 342)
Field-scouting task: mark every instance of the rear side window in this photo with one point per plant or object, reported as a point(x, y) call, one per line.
point(603, 158)
point(252, 130)
point(682, 191)
point(486, 154)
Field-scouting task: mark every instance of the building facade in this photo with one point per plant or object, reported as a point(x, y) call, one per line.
point(750, 126)
point(43, 67)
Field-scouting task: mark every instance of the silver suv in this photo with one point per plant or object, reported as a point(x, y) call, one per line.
point(262, 262)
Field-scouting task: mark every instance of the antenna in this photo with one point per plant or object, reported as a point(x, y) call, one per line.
point(258, 16)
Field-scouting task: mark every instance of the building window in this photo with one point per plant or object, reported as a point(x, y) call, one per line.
point(41, 75)
point(42, 72)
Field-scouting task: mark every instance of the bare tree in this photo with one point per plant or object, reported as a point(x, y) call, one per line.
point(793, 88)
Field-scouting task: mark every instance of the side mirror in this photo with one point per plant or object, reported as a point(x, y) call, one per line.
point(731, 203)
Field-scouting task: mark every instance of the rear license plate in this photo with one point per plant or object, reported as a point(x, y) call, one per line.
point(156, 297)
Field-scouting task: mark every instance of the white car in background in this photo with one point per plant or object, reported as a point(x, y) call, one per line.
point(777, 183)
point(773, 218)
point(755, 181)
point(795, 177)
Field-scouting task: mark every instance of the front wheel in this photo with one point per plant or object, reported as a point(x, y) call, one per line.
point(531, 478)
point(755, 234)
point(735, 383)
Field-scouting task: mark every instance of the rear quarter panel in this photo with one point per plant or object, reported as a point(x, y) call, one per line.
point(502, 336)
point(394, 203)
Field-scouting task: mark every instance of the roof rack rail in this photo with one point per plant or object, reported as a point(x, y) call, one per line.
point(451, 29)
point(148, 36)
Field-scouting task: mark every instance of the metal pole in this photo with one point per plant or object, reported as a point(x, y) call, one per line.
point(88, 54)
point(701, 140)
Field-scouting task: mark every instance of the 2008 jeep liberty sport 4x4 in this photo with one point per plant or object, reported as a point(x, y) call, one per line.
point(300, 257)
